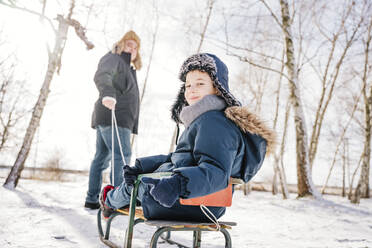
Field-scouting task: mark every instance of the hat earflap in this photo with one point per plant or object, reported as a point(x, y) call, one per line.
point(179, 104)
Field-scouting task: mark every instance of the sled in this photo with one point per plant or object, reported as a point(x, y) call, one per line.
point(165, 227)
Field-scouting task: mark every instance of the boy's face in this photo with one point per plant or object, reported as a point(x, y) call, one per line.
point(198, 84)
point(130, 46)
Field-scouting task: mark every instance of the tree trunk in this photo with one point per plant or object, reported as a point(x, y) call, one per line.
point(350, 195)
point(363, 184)
point(274, 186)
point(362, 189)
point(343, 193)
point(54, 59)
point(279, 171)
point(304, 180)
point(282, 176)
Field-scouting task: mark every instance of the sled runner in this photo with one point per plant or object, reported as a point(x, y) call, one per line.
point(165, 227)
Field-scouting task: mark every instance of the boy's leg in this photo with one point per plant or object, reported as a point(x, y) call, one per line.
point(97, 166)
point(120, 196)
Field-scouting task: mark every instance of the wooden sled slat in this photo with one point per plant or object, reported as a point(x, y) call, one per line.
point(138, 212)
point(182, 224)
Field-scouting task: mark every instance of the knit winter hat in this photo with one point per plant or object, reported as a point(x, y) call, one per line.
point(218, 72)
point(118, 47)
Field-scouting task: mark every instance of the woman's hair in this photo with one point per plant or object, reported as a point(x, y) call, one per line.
point(118, 47)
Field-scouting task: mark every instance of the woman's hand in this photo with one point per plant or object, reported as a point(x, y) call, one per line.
point(109, 102)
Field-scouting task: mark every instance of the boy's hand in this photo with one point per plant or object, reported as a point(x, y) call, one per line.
point(130, 174)
point(166, 191)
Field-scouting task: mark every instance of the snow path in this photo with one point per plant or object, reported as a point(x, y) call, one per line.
point(51, 214)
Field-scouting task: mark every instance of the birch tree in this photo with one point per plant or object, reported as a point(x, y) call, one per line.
point(304, 180)
point(362, 189)
point(320, 42)
point(262, 54)
point(285, 21)
point(340, 40)
point(341, 140)
point(54, 65)
point(12, 95)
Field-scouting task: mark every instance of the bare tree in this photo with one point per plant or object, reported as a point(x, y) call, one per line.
point(278, 157)
point(331, 71)
point(259, 58)
point(304, 180)
point(362, 189)
point(153, 43)
point(323, 43)
point(11, 113)
point(54, 65)
point(282, 176)
point(250, 85)
point(202, 36)
point(203, 32)
point(344, 167)
point(340, 141)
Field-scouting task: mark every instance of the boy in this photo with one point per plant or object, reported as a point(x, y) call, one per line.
point(221, 140)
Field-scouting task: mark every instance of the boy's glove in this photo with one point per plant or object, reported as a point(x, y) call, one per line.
point(166, 191)
point(130, 174)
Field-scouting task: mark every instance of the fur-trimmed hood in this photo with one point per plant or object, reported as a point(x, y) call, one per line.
point(249, 122)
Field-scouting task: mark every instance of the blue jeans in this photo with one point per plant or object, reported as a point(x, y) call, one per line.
point(120, 196)
point(103, 156)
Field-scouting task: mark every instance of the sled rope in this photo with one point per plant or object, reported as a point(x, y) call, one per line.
point(210, 216)
point(114, 125)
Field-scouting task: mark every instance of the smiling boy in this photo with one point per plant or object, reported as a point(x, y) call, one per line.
point(221, 140)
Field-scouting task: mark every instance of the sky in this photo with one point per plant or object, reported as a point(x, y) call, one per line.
point(65, 125)
point(54, 216)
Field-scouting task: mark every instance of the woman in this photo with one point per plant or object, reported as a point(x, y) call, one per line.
point(116, 81)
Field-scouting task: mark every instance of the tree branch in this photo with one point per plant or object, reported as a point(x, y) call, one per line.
point(272, 14)
point(80, 32)
point(245, 59)
point(43, 17)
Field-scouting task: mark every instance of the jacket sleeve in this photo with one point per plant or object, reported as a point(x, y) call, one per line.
point(215, 148)
point(151, 163)
point(107, 69)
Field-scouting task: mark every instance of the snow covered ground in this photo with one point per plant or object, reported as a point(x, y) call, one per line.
point(51, 214)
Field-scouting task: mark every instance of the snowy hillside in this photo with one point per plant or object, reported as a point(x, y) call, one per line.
point(51, 214)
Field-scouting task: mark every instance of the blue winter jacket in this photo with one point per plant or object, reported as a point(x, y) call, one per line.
point(217, 145)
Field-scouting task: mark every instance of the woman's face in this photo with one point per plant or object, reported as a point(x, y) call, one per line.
point(198, 84)
point(130, 46)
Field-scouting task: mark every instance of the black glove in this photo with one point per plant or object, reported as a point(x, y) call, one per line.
point(130, 174)
point(166, 191)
